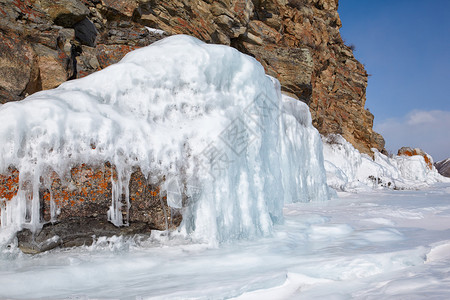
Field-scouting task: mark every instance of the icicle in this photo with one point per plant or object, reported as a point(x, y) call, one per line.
point(35, 221)
point(174, 197)
point(120, 190)
point(114, 212)
point(13, 211)
point(126, 191)
point(53, 212)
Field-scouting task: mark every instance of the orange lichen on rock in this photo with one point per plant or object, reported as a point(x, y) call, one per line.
point(27, 9)
point(86, 192)
point(9, 184)
point(155, 192)
point(407, 151)
point(428, 162)
point(111, 54)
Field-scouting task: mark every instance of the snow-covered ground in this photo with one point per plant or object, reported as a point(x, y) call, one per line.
point(388, 244)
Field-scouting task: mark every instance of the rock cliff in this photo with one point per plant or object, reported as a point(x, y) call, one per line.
point(44, 43)
point(443, 167)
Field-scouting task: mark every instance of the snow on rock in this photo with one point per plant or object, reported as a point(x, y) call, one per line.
point(204, 119)
point(349, 170)
point(155, 31)
point(408, 151)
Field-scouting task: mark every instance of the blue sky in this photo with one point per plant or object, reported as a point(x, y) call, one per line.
point(405, 46)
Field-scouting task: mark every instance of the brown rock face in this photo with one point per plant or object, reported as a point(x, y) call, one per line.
point(84, 197)
point(65, 13)
point(297, 41)
point(18, 65)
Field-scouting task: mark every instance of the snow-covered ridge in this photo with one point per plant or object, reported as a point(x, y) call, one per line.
point(349, 170)
point(205, 117)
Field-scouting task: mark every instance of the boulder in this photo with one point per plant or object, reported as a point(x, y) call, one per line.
point(53, 66)
point(85, 32)
point(408, 151)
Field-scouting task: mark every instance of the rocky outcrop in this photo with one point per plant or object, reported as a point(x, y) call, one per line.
point(44, 43)
point(443, 167)
point(408, 151)
point(74, 207)
point(35, 53)
point(74, 232)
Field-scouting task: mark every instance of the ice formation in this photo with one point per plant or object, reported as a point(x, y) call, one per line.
point(349, 170)
point(155, 31)
point(205, 117)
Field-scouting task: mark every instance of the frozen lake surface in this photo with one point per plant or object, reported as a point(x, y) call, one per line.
point(383, 244)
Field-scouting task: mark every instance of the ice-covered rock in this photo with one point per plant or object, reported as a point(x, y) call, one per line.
point(408, 151)
point(349, 170)
point(202, 121)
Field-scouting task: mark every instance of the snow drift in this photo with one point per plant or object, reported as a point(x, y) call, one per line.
point(204, 117)
point(349, 170)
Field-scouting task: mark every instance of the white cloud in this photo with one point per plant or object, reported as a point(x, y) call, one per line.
point(418, 117)
point(429, 130)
